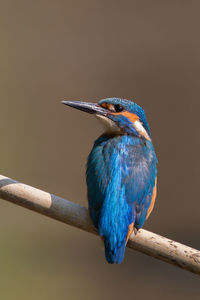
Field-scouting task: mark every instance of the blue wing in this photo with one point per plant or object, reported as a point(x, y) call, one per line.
point(120, 178)
point(139, 177)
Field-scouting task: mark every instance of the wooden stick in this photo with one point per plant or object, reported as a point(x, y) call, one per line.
point(73, 214)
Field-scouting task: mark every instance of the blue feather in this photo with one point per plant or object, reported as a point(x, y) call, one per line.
point(121, 174)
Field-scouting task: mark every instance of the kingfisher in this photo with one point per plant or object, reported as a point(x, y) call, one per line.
point(121, 173)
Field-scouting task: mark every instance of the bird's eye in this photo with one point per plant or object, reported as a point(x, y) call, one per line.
point(118, 107)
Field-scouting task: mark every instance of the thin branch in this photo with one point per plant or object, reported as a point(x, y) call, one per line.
point(73, 214)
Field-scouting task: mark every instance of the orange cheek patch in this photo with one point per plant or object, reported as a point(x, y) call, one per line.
point(128, 115)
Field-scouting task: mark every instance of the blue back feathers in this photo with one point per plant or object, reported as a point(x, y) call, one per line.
point(121, 172)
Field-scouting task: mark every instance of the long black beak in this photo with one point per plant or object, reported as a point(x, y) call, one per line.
point(91, 108)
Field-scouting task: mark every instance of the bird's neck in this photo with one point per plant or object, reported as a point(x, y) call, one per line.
point(114, 140)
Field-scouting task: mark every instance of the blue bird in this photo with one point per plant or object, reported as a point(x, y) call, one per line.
point(121, 173)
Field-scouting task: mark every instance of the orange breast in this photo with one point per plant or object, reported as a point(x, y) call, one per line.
point(129, 232)
point(152, 200)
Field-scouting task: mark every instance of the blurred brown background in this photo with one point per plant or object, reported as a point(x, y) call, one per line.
point(88, 50)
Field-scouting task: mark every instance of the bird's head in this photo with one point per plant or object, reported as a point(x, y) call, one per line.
point(119, 116)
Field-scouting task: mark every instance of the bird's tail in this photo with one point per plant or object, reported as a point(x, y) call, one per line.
point(116, 255)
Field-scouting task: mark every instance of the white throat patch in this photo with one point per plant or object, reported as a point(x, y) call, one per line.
point(109, 125)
